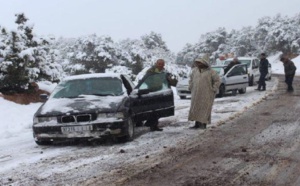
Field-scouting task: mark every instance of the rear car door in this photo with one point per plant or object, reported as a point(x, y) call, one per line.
point(237, 77)
point(152, 96)
point(255, 69)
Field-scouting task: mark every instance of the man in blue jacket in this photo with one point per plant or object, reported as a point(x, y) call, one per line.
point(263, 69)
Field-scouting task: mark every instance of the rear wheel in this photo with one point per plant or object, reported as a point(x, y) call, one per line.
point(251, 81)
point(242, 91)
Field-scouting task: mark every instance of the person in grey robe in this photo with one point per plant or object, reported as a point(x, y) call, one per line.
point(204, 84)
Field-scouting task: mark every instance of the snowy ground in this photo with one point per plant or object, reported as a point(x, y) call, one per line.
point(22, 161)
point(19, 153)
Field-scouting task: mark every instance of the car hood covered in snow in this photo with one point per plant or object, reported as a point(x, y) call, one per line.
point(82, 104)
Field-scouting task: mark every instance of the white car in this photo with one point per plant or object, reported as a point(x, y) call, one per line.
point(253, 67)
point(235, 80)
point(183, 88)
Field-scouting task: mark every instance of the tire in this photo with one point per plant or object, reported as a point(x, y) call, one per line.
point(242, 91)
point(43, 142)
point(182, 97)
point(139, 123)
point(129, 132)
point(221, 91)
point(251, 81)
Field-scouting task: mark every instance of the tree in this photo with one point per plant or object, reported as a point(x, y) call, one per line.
point(24, 57)
point(154, 40)
point(94, 54)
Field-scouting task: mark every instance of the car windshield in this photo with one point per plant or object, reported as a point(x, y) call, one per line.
point(243, 61)
point(103, 86)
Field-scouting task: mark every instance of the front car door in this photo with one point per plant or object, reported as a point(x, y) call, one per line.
point(152, 96)
point(237, 77)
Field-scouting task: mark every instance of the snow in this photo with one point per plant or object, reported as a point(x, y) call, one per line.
point(18, 151)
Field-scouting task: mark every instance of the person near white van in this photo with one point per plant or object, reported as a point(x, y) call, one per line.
point(263, 69)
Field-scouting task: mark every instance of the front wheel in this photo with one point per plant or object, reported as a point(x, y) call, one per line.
point(43, 143)
point(221, 91)
point(129, 132)
point(182, 97)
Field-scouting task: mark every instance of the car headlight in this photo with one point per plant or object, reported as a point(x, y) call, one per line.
point(43, 119)
point(111, 115)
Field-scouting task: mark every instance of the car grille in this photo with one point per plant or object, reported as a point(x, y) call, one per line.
point(77, 118)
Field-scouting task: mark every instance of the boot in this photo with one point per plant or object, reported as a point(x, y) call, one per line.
point(196, 126)
point(203, 126)
point(264, 88)
point(290, 89)
point(258, 88)
point(154, 127)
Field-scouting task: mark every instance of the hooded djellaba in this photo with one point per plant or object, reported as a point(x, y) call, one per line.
point(204, 84)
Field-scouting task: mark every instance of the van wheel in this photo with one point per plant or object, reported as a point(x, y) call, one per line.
point(242, 91)
point(251, 81)
point(129, 132)
point(221, 91)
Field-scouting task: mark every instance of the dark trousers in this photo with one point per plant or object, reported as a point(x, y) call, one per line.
point(289, 81)
point(262, 81)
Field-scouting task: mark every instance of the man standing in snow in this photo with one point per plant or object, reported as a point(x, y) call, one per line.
point(289, 71)
point(157, 68)
point(204, 84)
point(263, 69)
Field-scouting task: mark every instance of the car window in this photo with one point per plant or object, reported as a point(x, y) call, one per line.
point(255, 63)
point(219, 70)
point(154, 82)
point(92, 86)
point(238, 70)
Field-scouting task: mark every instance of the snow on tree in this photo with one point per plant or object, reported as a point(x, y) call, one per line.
point(24, 57)
point(270, 36)
point(154, 40)
point(94, 53)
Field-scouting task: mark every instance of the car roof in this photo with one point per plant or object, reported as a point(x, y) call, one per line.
point(242, 58)
point(95, 75)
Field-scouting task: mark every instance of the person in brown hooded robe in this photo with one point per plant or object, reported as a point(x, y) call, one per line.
point(204, 84)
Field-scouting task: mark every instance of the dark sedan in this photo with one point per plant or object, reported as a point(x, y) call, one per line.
point(93, 106)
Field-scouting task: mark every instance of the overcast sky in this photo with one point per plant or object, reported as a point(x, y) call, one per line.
point(178, 21)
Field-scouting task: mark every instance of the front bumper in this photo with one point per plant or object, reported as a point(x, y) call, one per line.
point(98, 130)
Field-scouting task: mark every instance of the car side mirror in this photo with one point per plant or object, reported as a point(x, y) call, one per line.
point(143, 91)
point(44, 97)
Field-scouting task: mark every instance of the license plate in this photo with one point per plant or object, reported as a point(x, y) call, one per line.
point(76, 128)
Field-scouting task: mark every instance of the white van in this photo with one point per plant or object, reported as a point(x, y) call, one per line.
point(253, 67)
